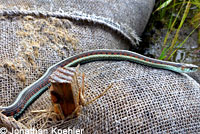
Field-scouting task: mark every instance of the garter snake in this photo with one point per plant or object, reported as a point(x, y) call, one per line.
point(31, 93)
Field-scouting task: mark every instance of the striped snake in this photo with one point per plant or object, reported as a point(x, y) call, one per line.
point(33, 91)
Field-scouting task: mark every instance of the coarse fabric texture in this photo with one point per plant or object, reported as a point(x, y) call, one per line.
point(132, 14)
point(37, 34)
point(9, 123)
point(141, 100)
point(30, 45)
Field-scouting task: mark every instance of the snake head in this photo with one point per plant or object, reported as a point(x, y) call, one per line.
point(189, 68)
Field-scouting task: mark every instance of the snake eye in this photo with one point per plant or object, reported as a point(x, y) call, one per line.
point(193, 69)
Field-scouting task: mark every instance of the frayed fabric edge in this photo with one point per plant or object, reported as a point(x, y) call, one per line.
point(120, 28)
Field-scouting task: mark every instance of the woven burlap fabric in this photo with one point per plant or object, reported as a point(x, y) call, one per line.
point(133, 14)
point(30, 43)
point(29, 47)
point(142, 99)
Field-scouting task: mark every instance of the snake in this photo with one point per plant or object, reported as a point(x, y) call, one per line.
point(29, 94)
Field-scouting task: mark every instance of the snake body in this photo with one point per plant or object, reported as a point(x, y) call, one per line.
point(30, 93)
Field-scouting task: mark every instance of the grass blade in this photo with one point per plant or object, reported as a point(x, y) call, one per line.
point(183, 42)
point(179, 27)
point(171, 27)
point(163, 5)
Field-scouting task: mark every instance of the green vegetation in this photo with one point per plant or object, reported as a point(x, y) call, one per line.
point(175, 13)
